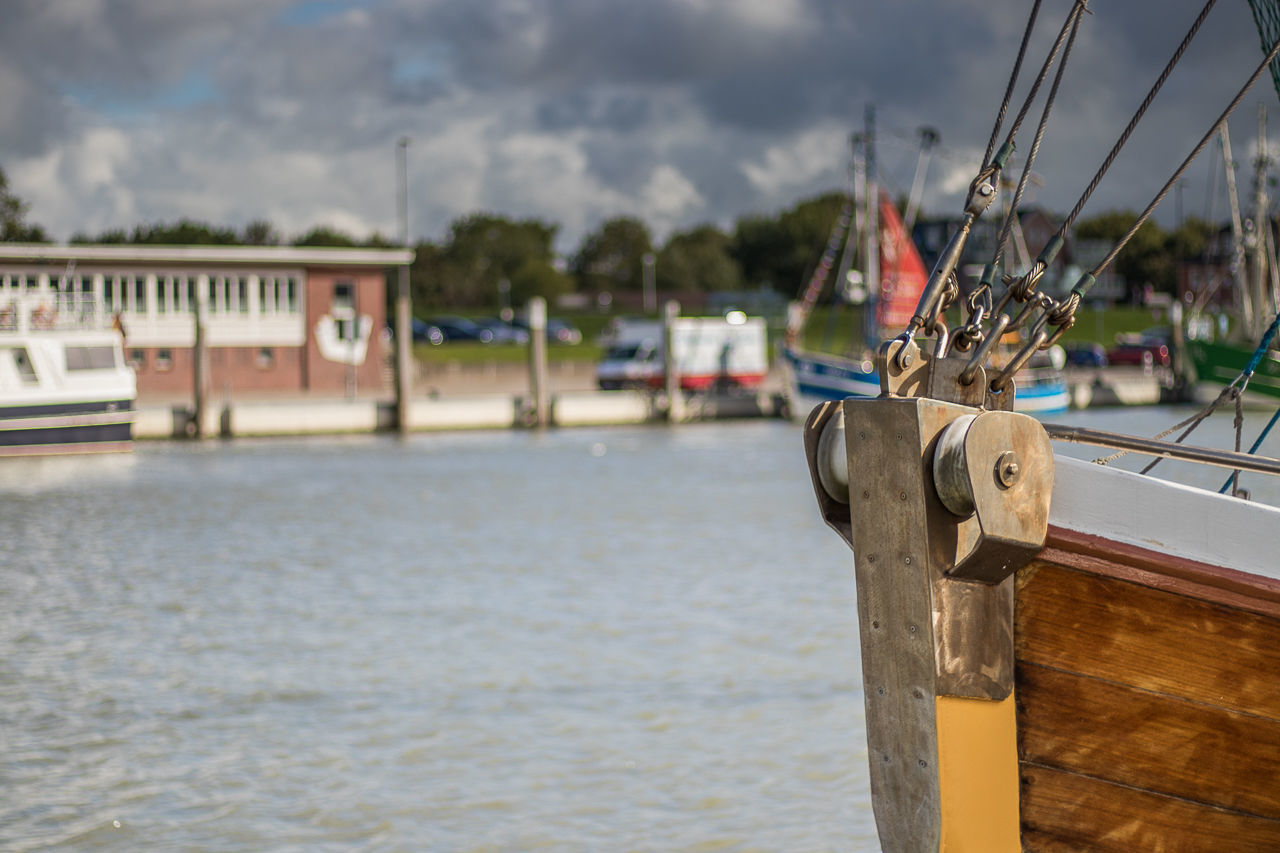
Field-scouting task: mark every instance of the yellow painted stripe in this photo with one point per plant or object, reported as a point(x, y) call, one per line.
point(978, 775)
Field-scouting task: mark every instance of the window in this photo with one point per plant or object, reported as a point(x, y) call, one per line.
point(242, 294)
point(164, 293)
point(266, 358)
point(22, 363)
point(111, 294)
point(137, 358)
point(90, 358)
point(344, 296)
point(138, 296)
point(268, 284)
point(164, 359)
point(291, 295)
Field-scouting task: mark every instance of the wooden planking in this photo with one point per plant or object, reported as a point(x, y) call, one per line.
point(1252, 592)
point(1148, 638)
point(1068, 813)
point(1148, 740)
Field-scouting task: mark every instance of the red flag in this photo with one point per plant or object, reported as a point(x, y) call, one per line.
point(902, 273)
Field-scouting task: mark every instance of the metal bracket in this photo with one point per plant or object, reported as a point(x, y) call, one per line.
point(925, 631)
point(997, 468)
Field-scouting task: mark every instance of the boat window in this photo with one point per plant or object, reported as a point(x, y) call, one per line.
point(90, 358)
point(622, 352)
point(22, 363)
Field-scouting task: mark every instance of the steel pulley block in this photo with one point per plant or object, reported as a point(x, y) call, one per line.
point(995, 468)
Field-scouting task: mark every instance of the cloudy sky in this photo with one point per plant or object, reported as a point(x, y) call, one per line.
point(116, 112)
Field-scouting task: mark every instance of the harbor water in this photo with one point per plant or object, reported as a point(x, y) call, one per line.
point(617, 639)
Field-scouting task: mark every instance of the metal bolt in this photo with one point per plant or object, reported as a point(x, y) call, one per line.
point(906, 560)
point(902, 496)
point(1008, 468)
point(986, 189)
point(905, 358)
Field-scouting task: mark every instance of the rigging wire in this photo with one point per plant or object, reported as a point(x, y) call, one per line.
point(1012, 213)
point(1137, 116)
point(1204, 140)
point(1008, 92)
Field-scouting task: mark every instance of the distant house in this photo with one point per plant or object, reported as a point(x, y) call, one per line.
point(278, 319)
point(1036, 228)
point(1211, 280)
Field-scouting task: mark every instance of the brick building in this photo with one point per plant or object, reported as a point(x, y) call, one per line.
point(287, 319)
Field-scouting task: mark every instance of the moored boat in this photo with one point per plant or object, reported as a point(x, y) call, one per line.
point(895, 276)
point(1056, 656)
point(64, 384)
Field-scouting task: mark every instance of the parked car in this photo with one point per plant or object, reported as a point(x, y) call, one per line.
point(1140, 350)
point(460, 329)
point(1085, 354)
point(558, 331)
point(424, 332)
point(503, 332)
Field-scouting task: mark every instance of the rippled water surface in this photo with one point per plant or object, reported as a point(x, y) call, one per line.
point(626, 639)
point(586, 640)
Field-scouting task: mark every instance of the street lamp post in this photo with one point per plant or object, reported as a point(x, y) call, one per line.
point(404, 333)
point(647, 261)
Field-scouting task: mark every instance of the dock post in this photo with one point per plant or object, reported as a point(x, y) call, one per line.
point(404, 331)
point(537, 312)
point(675, 409)
point(200, 361)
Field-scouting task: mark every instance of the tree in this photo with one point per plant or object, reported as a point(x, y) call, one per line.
point(483, 250)
point(260, 232)
point(698, 259)
point(536, 278)
point(323, 235)
point(184, 232)
point(781, 252)
point(611, 258)
point(1152, 255)
point(13, 211)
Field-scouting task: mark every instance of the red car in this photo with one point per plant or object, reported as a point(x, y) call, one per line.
point(1142, 353)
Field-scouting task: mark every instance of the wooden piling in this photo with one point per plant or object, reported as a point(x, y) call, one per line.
point(538, 390)
point(675, 407)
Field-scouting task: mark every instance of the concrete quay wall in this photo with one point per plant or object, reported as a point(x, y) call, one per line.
point(481, 411)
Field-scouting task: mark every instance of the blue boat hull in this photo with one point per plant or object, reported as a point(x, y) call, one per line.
point(828, 377)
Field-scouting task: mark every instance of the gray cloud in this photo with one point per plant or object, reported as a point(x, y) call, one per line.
point(678, 111)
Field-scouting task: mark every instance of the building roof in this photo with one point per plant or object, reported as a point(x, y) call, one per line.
point(306, 256)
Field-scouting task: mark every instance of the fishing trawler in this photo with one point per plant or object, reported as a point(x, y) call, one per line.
point(64, 384)
point(1056, 655)
point(1217, 359)
point(895, 276)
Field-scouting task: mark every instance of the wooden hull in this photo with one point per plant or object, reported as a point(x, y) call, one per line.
point(1148, 703)
point(1078, 658)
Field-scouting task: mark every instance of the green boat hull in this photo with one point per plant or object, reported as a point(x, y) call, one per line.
point(1219, 364)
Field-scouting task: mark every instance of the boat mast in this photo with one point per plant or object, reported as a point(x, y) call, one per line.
point(928, 139)
point(1239, 270)
point(871, 259)
point(1257, 287)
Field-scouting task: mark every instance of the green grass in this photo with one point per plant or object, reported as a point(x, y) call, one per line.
point(830, 329)
point(833, 329)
